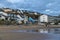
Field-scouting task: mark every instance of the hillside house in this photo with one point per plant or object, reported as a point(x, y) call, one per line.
point(3, 15)
point(13, 15)
point(46, 18)
point(31, 15)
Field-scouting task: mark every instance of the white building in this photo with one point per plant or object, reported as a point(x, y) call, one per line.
point(11, 16)
point(3, 15)
point(43, 18)
point(46, 18)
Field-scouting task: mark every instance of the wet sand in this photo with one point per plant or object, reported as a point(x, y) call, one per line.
point(24, 27)
point(4, 35)
point(27, 36)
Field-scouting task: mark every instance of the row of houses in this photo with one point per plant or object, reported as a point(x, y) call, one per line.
point(10, 14)
point(25, 16)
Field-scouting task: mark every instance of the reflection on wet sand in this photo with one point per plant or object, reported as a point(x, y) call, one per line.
point(15, 33)
point(51, 30)
point(28, 36)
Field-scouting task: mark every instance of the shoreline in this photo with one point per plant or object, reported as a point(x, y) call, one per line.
point(24, 27)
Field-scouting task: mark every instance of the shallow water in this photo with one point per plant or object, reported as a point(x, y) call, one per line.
point(23, 31)
point(52, 30)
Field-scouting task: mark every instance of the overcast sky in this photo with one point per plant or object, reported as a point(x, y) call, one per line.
point(51, 7)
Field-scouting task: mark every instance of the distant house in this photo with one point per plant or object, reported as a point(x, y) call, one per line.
point(15, 16)
point(46, 18)
point(33, 15)
point(11, 14)
point(3, 15)
point(43, 18)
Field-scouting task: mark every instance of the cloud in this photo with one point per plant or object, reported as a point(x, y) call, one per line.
point(44, 6)
point(2, 5)
point(27, 4)
point(53, 6)
point(51, 12)
point(15, 1)
point(47, 10)
point(49, 4)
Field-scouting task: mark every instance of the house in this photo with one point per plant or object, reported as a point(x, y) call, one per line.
point(3, 15)
point(15, 16)
point(46, 18)
point(30, 15)
point(11, 14)
point(43, 18)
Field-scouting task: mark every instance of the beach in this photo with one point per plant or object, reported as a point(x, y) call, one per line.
point(27, 36)
point(7, 33)
point(25, 27)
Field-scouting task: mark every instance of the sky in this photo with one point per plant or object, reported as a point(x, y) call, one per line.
point(50, 7)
